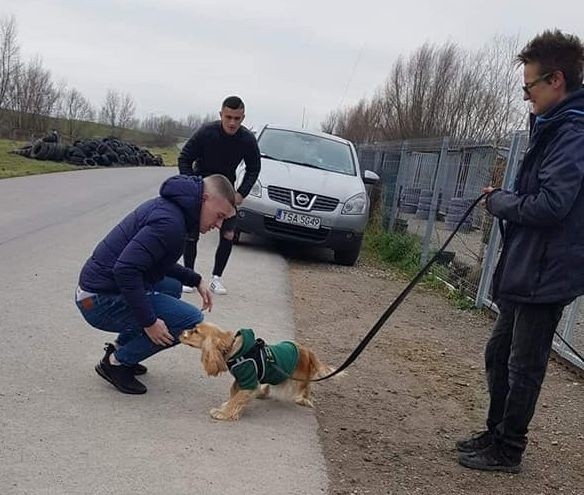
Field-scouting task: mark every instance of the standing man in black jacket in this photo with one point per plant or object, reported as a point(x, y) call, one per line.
point(218, 148)
point(540, 267)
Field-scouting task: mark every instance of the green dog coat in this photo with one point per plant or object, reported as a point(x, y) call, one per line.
point(256, 362)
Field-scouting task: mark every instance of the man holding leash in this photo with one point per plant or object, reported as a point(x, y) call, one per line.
point(540, 268)
point(218, 148)
point(131, 284)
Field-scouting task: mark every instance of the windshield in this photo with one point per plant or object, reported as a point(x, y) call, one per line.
point(308, 150)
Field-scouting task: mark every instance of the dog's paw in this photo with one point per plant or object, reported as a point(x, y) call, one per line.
point(303, 401)
point(221, 416)
point(264, 391)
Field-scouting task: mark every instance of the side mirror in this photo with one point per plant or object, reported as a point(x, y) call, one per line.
point(370, 177)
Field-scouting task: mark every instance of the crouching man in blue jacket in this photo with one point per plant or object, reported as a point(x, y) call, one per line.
point(132, 283)
point(540, 269)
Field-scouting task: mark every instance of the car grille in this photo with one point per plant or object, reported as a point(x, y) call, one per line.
point(295, 230)
point(282, 195)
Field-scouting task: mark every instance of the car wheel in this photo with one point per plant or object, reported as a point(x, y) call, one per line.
point(347, 257)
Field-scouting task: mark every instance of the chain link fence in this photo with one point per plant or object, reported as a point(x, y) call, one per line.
point(428, 184)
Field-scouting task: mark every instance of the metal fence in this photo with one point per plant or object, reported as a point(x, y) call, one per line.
point(428, 184)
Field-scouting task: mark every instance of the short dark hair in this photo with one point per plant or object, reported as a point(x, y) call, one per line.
point(556, 51)
point(233, 102)
point(220, 185)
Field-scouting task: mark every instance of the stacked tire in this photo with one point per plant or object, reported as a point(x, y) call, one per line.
point(456, 210)
point(42, 150)
point(424, 204)
point(410, 198)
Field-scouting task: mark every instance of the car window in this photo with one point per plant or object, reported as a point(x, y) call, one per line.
point(314, 151)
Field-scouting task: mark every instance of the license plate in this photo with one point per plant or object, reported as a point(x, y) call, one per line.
point(293, 218)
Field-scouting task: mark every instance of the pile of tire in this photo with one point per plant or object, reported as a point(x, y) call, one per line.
point(456, 210)
point(425, 202)
point(409, 200)
point(103, 152)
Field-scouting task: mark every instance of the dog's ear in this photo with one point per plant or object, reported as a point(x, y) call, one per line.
point(212, 356)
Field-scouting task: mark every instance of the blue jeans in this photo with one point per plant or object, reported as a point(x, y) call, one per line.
point(110, 312)
point(516, 360)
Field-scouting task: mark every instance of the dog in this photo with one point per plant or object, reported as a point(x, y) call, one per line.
point(287, 367)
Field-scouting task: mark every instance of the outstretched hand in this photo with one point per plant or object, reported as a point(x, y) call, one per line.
point(206, 296)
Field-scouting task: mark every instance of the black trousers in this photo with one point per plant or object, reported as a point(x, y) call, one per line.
point(516, 360)
point(221, 254)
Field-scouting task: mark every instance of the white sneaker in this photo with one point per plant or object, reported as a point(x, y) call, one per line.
point(186, 288)
point(217, 287)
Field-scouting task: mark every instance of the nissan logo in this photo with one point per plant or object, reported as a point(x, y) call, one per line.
point(302, 199)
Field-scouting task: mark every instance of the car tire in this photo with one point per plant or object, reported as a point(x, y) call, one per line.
point(347, 257)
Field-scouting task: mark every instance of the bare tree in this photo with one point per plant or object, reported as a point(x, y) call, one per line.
point(329, 124)
point(126, 117)
point(110, 109)
point(76, 111)
point(33, 95)
point(8, 57)
point(164, 126)
point(440, 91)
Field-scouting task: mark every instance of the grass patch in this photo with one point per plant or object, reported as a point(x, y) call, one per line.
point(401, 252)
point(391, 249)
point(169, 154)
point(17, 166)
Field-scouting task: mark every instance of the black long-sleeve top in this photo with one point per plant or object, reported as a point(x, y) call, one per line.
point(211, 151)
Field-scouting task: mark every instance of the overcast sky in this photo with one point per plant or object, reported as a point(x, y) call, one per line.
point(282, 57)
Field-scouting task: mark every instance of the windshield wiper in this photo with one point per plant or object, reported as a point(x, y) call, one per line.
point(304, 164)
point(269, 157)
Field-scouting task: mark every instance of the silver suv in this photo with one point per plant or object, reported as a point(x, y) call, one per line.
point(310, 190)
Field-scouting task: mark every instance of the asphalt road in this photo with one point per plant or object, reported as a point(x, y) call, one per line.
point(64, 430)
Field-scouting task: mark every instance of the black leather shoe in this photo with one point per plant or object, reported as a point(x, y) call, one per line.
point(475, 443)
point(138, 369)
point(122, 377)
point(491, 458)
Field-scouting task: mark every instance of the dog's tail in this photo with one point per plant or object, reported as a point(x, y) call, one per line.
point(319, 369)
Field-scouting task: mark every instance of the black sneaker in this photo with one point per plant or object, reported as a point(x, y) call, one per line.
point(138, 369)
point(476, 443)
point(491, 458)
point(122, 377)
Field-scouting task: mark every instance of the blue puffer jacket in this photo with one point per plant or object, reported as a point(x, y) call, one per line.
point(145, 246)
point(542, 258)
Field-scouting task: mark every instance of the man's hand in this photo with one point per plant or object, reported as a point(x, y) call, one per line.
point(238, 199)
point(206, 296)
point(159, 334)
point(486, 190)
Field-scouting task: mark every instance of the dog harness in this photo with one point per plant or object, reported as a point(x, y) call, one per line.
point(256, 362)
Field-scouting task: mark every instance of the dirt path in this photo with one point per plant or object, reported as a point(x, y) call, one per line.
point(389, 426)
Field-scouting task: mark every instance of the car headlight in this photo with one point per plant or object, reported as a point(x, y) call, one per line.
point(256, 189)
point(355, 205)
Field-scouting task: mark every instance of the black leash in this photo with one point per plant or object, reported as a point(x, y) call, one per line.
point(399, 299)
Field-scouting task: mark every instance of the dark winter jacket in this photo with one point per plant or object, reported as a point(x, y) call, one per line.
point(145, 246)
point(214, 152)
point(542, 259)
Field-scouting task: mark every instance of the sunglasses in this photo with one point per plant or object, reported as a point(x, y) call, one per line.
point(533, 83)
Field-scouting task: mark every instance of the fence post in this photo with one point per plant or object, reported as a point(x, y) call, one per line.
point(515, 149)
point(567, 334)
point(393, 208)
point(439, 181)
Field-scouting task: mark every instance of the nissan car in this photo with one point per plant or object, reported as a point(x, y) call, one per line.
point(310, 190)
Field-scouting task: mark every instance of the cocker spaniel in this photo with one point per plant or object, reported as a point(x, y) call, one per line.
point(258, 368)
